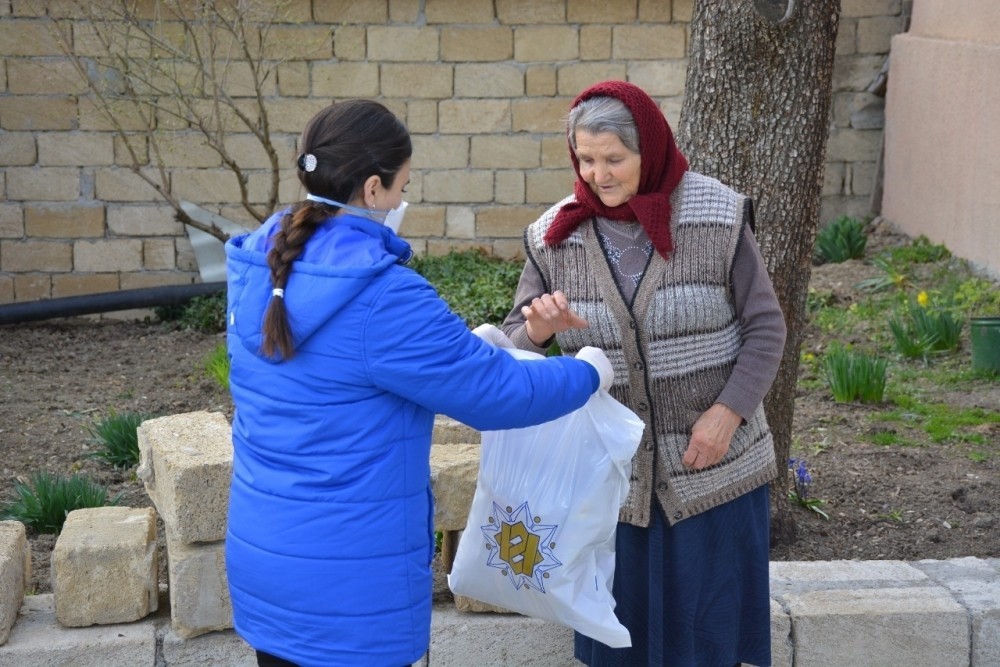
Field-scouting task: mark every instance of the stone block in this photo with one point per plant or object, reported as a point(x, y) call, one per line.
point(15, 573)
point(289, 115)
point(11, 221)
point(113, 185)
point(856, 8)
point(144, 279)
point(24, 256)
point(662, 77)
point(32, 286)
point(855, 73)
point(186, 462)
point(782, 647)
point(293, 79)
point(477, 44)
point(143, 221)
point(546, 114)
point(421, 116)
point(435, 81)
point(847, 37)
point(572, 79)
point(506, 221)
point(423, 221)
point(505, 152)
point(848, 145)
point(489, 639)
point(654, 11)
point(104, 566)
point(28, 38)
point(17, 149)
point(349, 43)
point(595, 42)
point(108, 255)
point(350, 79)
point(683, 10)
point(546, 43)
point(199, 589)
point(43, 184)
point(440, 152)
point(454, 470)
point(530, 12)
point(37, 112)
point(875, 33)
point(75, 284)
point(879, 626)
point(648, 42)
point(547, 186)
point(301, 42)
point(402, 44)
point(447, 431)
point(404, 11)
point(460, 222)
point(350, 11)
point(39, 640)
point(600, 11)
point(474, 116)
point(30, 76)
point(64, 221)
point(459, 11)
point(458, 186)
point(508, 187)
point(512, 249)
point(540, 80)
point(217, 648)
point(468, 605)
point(488, 80)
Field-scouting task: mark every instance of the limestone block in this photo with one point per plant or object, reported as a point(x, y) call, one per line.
point(15, 572)
point(781, 637)
point(454, 470)
point(888, 626)
point(104, 566)
point(218, 648)
point(447, 431)
point(39, 640)
point(186, 462)
point(199, 589)
point(468, 605)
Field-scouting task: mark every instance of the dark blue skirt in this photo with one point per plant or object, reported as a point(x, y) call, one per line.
point(693, 594)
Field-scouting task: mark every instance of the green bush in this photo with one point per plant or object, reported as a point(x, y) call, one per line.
point(479, 288)
point(217, 365)
point(924, 332)
point(854, 376)
point(842, 239)
point(920, 251)
point(43, 503)
point(117, 437)
point(206, 314)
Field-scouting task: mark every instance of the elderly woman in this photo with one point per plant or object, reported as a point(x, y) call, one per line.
point(658, 266)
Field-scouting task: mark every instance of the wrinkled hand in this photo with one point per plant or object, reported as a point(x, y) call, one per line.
point(493, 336)
point(548, 315)
point(595, 357)
point(710, 437)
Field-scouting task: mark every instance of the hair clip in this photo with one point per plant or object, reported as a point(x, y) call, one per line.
point(306, 162)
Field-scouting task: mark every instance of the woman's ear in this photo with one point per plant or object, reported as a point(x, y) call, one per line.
point(370, 189)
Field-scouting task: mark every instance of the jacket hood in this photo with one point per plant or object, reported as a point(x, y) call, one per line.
point(344, 255)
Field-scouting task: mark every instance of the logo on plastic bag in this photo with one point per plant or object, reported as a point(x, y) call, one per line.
point(520, 546)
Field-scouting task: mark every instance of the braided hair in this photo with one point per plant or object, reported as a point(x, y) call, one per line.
point(341, 147)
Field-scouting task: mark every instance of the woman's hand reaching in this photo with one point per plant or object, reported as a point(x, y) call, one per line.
point(710, 436)
point(548, 315)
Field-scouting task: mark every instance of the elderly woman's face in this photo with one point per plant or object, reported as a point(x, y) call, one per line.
point(610, 169)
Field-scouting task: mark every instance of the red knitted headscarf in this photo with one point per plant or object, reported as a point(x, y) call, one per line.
point(662, 167)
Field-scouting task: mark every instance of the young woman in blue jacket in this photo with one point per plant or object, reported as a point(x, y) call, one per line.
point(341, 356)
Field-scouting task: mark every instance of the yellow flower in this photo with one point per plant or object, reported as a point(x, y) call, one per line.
point(923, 299)
point(808, 357)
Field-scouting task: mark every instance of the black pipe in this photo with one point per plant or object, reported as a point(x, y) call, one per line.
point(70, 306)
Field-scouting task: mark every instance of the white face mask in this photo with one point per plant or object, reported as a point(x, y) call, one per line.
point(394, 217)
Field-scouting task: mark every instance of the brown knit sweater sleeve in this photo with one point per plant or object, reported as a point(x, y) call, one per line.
point(529, 286)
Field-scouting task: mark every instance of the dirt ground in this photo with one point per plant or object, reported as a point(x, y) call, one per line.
point(932, 500)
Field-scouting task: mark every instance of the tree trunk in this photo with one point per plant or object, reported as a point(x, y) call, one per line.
point(755, 116)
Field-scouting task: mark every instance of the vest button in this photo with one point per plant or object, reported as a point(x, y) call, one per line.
point(649, 446)
point(631, 324)
point(678, 515)
point(661, 486)
point(643, 406)
point(637, 365)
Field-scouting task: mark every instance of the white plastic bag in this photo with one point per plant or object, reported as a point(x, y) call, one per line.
point(540, 538)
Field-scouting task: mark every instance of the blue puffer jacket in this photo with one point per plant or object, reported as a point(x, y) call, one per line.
point(330, 538)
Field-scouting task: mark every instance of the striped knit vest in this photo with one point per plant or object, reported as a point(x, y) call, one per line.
point(673, 347)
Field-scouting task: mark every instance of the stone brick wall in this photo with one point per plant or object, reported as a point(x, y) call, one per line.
point(483, 86)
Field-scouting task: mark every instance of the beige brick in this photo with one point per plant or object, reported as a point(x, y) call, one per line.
point(417, 81)
point(508, 187)
point(419, 246)
point(44, 77)
point(345, 79)
point(158, 254)
point(683, 10)
point(540, 80)
point(94, 117)
point(28, 38)
point(423, 221)
point(856, 72)
point(75, 149)
point(474, 44)
point(70, 221)
point(546, 43)
point(460, 222)
point(862, 176)
point(440, 152)
point(349, 43)
point(663, 77)
point(7, 291)
point(122, 185)
point(293, 79)
point(301, 42)
point(11, 221)
point(474, 116)
point(595, 42)
point(869, 7)
point(853, 145)
point(508, 248)
point(37, 112)
point(32, 286)
point(530, 12)
point(505, 221)
point(291, 115)
point(241, 81)
point(833, 178)
point(404, 11)
point(572, 79)
point(458, 186)
point(43, 184)
point(143, 221)
point(76, 284)
point(600, 11)
point(845, 104)
point(671, 108)
point(847, 37)
point(24, 256)
point(402, 44)
point(541, 115)
point(155, 279)
point(438, 248)
point(351, 11)
point(23, 8)
point(137, 144)
point(458, 11)
point(107, 255)
point(249, 153)
point(489, 81)
point(17, 149)
point(548, 186)
point(654, 11)
point(874, 34)
point(555, 152)
point(505, 152)
point(648, 42)
point(294, 11)
point(421, 116)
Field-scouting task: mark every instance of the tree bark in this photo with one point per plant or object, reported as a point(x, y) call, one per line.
point(755, 116)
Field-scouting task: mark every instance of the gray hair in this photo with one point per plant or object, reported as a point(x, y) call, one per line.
point(603, 114)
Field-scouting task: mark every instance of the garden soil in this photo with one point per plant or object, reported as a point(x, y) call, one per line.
point(921, 500)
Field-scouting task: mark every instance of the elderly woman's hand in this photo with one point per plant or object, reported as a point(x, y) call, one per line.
point(549, 314)
point(710, 436)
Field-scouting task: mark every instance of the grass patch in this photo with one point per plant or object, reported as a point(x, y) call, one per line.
point(479, 288)
point(43, 503)
point(206, 314)
point(940, 421)
point(854, 376)
point(117, 439)
point(217, 365)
